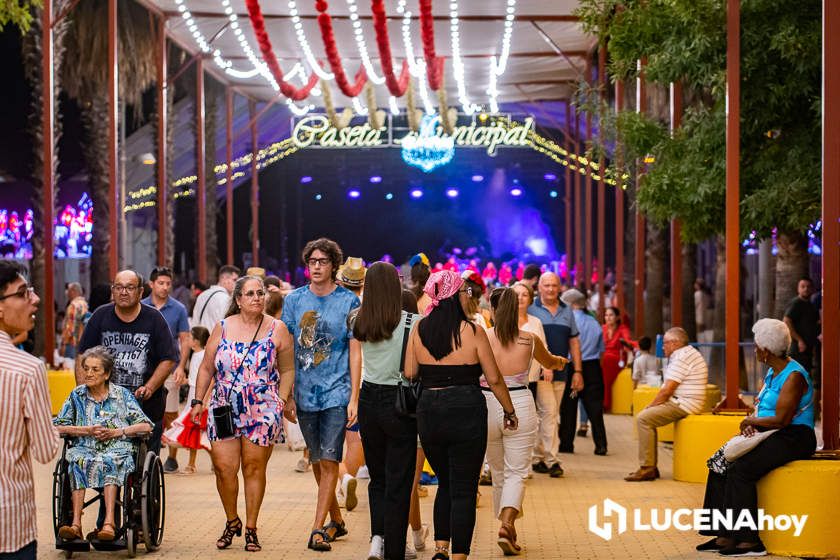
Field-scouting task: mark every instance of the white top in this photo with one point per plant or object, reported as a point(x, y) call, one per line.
point(534, 326)
point(210, 307)
point(645, 364)
point(687, 367)
point(195, 362)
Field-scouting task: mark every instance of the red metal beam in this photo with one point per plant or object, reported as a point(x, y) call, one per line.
point(113, 122)
point(640, 237)
point(619, 210)
point(733, 234)
point(569, 197)
point(201, 182)
point(676, 243)
point(229, 173)
point(162, 181)
point(587, 213)
point(255, 188)
point(831, 226)
point(47, 125)
point(602, 211)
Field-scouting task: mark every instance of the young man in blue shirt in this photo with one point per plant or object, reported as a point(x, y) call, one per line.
point(328, 370)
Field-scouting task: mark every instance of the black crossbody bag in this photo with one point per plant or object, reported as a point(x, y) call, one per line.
point(223, 415)
point(408, 393)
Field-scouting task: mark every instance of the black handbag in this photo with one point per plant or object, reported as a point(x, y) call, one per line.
point(223, 415)
point(408, 393)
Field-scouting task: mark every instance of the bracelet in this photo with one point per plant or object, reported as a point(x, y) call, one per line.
point(511, 414)
point(195, 402)
point(578, 371)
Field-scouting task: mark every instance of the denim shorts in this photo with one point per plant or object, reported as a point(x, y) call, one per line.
point(323, 431)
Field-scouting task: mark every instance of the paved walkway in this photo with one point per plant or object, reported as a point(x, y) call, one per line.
point(554, 525)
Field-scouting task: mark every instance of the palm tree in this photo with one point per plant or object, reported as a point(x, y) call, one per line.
point(32, 57)
point(86, 80)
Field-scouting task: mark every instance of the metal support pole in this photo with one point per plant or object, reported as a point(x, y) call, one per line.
point(676, 243)
point(255, 188)
point(619, 209)
point(568, 192)
point(47, 125)
point(587, 212)
point(639, 242)
point(162, 172)
point(578, 207)
point(113, 107)
point(602, 211)
point(229, 174)
point(201, 182)
point(831, 225)
point(733, 235)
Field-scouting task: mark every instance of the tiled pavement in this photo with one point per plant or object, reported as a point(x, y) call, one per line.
point(554, 524)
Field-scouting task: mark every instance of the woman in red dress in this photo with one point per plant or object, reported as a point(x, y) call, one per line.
point(617, 345)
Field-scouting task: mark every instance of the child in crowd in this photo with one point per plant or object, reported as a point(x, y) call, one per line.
point(184, 433)
point(646, 365)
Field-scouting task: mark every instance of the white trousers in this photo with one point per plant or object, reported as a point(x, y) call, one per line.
point(549, 396)
point(509, 452)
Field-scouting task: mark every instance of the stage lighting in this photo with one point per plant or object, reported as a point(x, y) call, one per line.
point(477, 178)
point(452, 193)
point(516, 191)
point(550, 177)
point(318, 197)
point(389, 196)
point(354, 193)
point(416, 193)
point(553, 194)
point(375, 179)
point(306, 179)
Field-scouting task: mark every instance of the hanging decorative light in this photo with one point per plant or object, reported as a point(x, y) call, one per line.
point(426, 149)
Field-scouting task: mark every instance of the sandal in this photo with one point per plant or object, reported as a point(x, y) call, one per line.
point(322, 545)
point(441, 553)
point(107, 534)
point(340, 530)
point(70, 532)
point(252, 543)
point(507, 540)
point(189, 469)
point(232, 528)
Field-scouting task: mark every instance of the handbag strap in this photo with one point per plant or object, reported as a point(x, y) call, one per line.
point(406, 334)
point(242, 361)
point(203, 309)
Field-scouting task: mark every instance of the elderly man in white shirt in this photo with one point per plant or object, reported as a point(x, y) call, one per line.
point(212, 304)
point(683, 393)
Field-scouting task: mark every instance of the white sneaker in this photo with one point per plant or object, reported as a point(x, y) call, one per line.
point(363, 472)
point(348, 489)
point(302, 465)
point(420, 537)
point(410, 553)
point(377, 548)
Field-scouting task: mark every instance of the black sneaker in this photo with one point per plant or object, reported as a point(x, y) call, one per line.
point(709, 546)
point(735, 552)
point(170, 465)
point(540, 467)
point(600, 451)
point(556, 471)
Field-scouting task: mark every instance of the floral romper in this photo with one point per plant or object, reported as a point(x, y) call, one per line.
point(256, 407)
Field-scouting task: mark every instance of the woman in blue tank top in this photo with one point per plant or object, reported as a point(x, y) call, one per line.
point(785, 404)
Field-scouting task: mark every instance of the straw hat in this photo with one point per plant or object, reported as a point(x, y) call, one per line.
point(352, 272)
point(255, 271)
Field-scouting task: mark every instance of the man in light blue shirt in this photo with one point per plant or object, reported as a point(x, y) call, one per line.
point(592, 395)
point(328, 370)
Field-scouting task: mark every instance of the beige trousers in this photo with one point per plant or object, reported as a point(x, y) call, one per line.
point(549, 395)
point(647, 421)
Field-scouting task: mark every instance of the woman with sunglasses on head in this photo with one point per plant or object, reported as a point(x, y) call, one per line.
point(252, 358)
point(449, 354)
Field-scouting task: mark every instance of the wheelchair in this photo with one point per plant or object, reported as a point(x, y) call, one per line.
point(140, 508)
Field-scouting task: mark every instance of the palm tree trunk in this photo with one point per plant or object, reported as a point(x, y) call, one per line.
point(716, 367)
point(32, 57)
point(655, 272)
point(95, 120)
point(689, 274)
point(791, 265)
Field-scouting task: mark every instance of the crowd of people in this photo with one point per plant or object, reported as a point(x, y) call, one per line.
point(398, 367)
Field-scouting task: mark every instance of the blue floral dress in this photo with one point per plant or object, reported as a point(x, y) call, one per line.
point(256, 408)
point(94, 463)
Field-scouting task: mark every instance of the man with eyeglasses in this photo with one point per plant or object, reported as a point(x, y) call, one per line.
point(175, 314)
point(26, 429)
point(328, 370)
point(142, 345)
point(212, 304)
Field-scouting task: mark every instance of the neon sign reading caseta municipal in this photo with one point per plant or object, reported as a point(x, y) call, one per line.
point(316, 130)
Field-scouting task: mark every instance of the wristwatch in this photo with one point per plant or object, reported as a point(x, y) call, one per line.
point(195, 402)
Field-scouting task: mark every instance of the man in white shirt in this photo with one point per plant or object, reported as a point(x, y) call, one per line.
point(212, 304)
point(683, 393)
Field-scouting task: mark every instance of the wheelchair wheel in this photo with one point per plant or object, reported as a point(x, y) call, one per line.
point(153, 502)
point(62, 503)
point(131, 542)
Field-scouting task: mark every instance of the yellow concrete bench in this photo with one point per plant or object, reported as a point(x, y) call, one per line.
point(696, 438)
point(622, 393)
point(809, 487)
point(643, 395)
point(60, 382)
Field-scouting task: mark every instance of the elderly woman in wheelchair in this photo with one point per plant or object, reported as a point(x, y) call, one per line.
point(101, 417)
